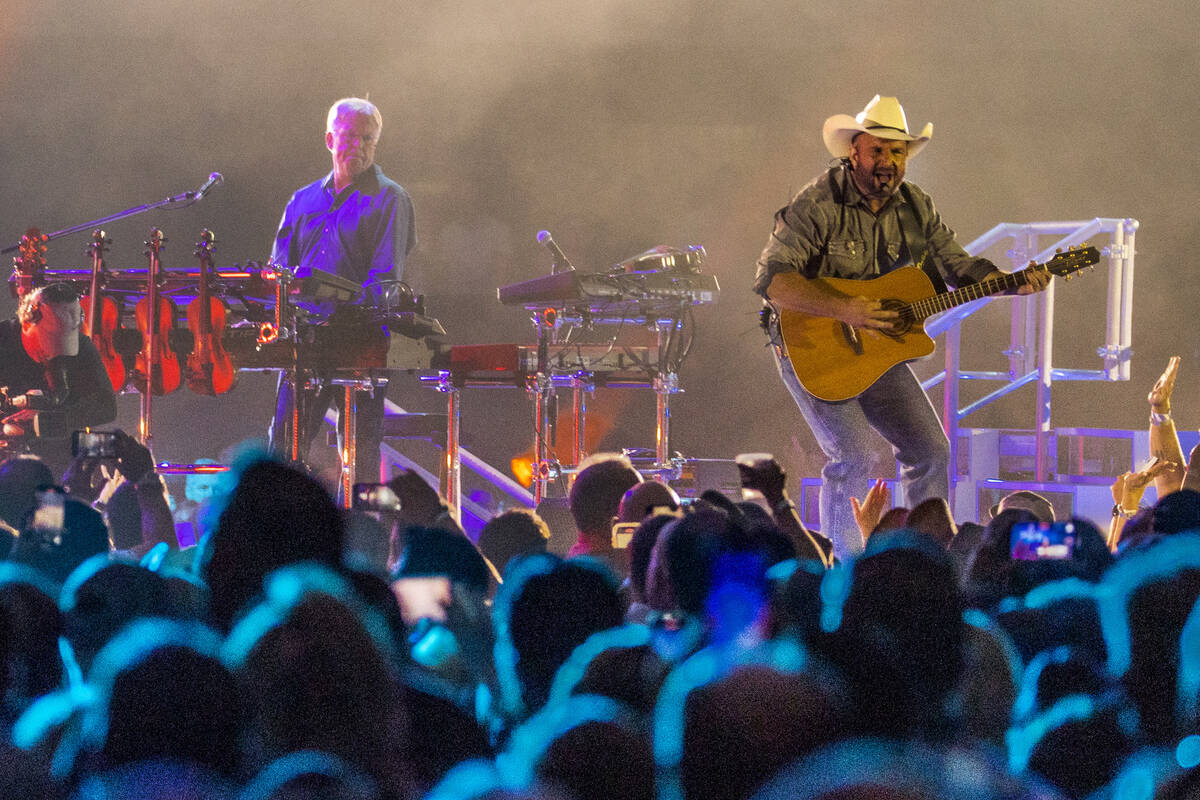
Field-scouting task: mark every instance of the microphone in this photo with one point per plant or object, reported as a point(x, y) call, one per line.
point(215, 179)
point(56, 381)
point(560, 258)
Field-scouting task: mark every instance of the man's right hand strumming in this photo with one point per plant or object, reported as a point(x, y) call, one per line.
point(863, 312)
point(793, 291)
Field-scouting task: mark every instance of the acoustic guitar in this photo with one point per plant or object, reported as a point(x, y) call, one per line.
point(835, 361)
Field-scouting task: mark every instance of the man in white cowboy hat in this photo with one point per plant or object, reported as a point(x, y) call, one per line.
point(858, 220)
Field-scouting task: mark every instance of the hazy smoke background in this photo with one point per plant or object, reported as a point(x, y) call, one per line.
point(618, 125)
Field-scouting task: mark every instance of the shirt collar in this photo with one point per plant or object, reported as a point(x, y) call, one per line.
point(371, 173)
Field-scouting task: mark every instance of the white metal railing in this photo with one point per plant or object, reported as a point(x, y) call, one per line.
point(1031, 340)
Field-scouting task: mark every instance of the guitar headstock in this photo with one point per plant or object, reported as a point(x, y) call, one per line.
point(30, 266)
point(1067, 262)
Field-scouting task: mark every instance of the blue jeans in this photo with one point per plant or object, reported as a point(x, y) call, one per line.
point(897, 407)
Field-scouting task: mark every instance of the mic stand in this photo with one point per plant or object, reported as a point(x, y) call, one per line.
point(182, 200)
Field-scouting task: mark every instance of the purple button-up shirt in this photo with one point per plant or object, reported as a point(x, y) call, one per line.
point(364, 233)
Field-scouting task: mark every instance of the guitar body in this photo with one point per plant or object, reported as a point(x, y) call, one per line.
point(836, 362)
point(828, 364)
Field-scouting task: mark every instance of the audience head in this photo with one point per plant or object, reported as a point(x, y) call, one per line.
point(101, 597)
point(308, 775)
point(1072, 725)
point(516, 532)
point(546, 608)
point(903, 607)
point(683, 561)
point(796, 601)
point(275, 515)
point(932, 517)
point(1145, 601)
point(164, 695)
point(893, 519)
point(643, 498)
point(597, 491)
point(33, 665)
point(587, 745)
point(201, 487)
point(600, 760)
point(988, 569)
point(430, 552)
point(1177, 512)
point(1037, 505)
point(742, 728)
point(315, 669)
point(641, 547)
point(56, 552)
point(19, 477)
point(873, 769)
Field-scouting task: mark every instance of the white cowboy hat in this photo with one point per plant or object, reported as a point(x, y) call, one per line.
point(883, 118)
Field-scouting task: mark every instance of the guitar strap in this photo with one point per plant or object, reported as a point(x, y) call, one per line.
point(914, 237)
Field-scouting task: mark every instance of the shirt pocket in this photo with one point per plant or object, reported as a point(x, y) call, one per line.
point(846, 257)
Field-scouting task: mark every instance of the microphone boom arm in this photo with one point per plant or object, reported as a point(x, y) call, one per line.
point(182, 200)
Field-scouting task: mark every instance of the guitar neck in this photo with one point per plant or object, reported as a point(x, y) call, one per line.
point(927, 307)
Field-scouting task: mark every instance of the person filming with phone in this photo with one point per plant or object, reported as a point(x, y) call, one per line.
point(52, 380)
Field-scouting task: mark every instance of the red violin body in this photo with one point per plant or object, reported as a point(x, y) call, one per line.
point(209, 368)
point(102, 317)
point(155, 317)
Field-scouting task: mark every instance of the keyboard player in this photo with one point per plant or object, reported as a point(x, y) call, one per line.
point(355, 223)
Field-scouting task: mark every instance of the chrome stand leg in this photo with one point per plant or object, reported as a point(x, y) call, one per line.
point(349, 423)
point(451, 472)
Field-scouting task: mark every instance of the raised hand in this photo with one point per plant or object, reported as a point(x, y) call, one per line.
point(133, 458)
point(1160, 394)
point(868, 513)
point(765, 476)
point(1128, 488)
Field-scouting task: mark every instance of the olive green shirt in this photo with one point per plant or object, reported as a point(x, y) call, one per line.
point(828, 231)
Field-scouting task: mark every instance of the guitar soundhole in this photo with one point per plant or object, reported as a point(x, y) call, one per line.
point(904, 323)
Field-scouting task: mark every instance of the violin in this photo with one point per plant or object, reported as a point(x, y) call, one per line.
point(155, 316)
point(102, 315)
point(209, 368)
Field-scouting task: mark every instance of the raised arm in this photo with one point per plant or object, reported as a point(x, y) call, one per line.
point(1164, 439)
point(1127, 491)
point(769, 478)
point(869, 512)
point(137, 466)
